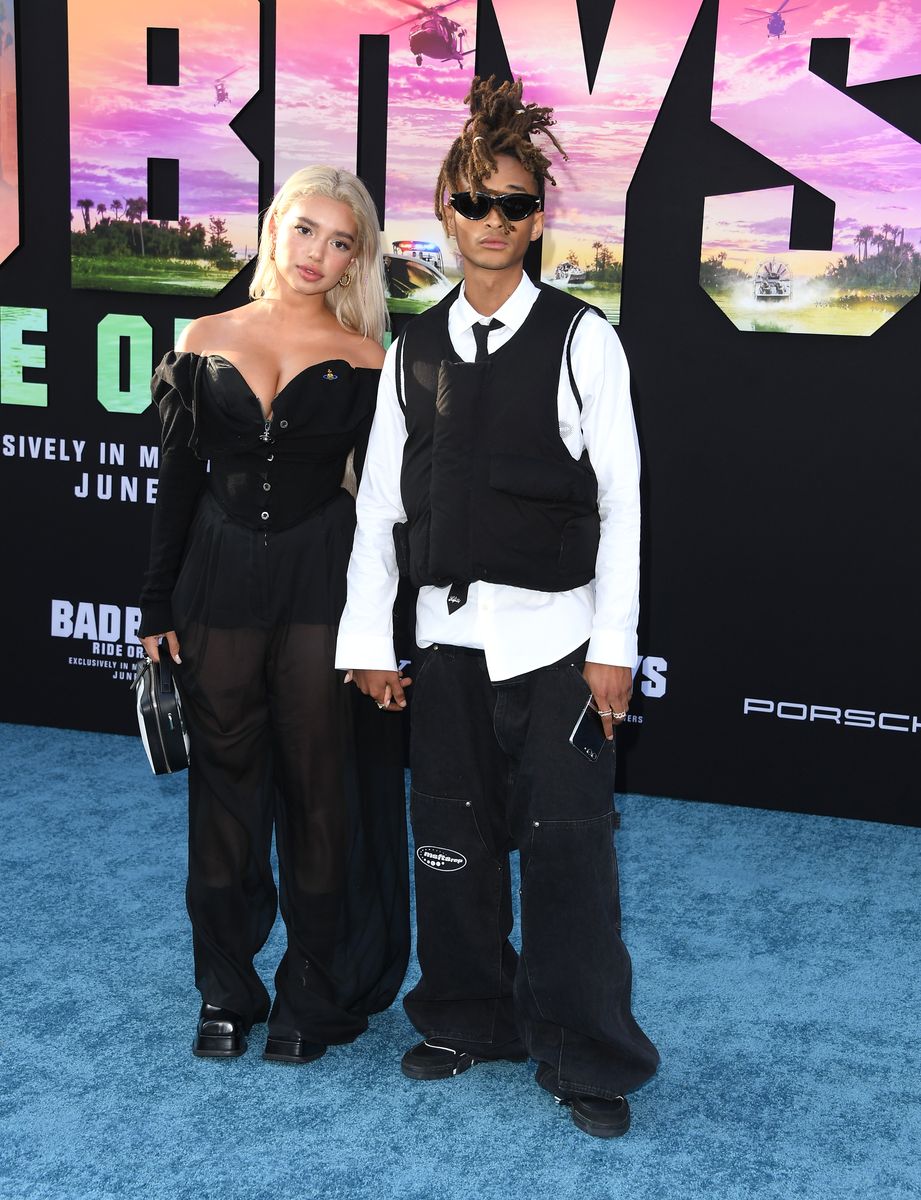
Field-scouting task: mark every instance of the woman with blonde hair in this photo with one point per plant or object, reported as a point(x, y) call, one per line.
point(262, 407)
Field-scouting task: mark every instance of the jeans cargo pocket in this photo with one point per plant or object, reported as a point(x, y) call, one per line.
point(459, 894)
point(570, 916)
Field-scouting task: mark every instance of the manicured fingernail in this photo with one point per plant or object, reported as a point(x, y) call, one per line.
point(176, 658)
point(348, 677)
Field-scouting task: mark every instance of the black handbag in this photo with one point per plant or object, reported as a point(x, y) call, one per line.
point(159, 708)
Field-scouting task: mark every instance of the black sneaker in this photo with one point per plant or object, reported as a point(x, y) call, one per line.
point(434, 1060)
point(600, 1118)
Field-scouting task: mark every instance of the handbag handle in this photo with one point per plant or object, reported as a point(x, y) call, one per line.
point(166, 676)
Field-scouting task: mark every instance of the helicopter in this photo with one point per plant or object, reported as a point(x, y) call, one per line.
point(433, 35)
point(776, 25)
point(222, 96)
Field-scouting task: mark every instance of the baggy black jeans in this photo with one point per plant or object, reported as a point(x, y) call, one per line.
point(492, 770)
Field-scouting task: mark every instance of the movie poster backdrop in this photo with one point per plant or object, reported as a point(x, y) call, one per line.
point(735, 172)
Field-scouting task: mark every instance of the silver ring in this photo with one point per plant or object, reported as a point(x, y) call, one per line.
point(379, 705)
point(619, 716)
point(606, 712)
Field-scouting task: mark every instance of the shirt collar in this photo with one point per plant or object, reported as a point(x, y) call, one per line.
point(513, 312)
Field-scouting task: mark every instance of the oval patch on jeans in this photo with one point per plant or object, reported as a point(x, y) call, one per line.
point(440, 859)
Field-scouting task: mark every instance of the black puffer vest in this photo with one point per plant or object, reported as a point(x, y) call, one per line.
point(489, 489)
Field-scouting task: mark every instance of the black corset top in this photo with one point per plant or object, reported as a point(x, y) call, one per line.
point(271, 474)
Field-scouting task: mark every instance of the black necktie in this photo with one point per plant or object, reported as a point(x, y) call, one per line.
point(481, 333)
point(457, 592)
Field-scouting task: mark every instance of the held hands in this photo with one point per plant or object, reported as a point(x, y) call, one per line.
point(386, 688)
point(151, 645)
point(612, 688)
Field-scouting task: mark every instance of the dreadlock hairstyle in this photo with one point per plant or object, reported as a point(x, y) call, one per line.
point(499, 123)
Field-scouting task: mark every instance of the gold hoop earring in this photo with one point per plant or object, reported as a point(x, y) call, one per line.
point(346, 279)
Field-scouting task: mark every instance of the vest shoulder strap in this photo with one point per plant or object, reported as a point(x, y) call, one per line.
point(572, 332)
point(398, 370)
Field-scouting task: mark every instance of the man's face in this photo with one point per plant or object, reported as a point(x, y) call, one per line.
point(494, 244)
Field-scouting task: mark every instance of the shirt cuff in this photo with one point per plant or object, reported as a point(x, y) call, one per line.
point(156, 617)
point(613, 647)
point(365, 652)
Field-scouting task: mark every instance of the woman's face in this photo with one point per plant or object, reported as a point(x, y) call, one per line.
point(315, 244)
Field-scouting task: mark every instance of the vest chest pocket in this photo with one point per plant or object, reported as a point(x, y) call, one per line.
point(542, 479)
point(579, 545)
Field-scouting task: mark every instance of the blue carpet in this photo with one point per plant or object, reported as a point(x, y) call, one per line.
point(777, 968)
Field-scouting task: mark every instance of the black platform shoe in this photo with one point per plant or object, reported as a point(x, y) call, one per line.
point(600, 1118)
point(220, 1034)
point(296, 1050)
point(434, 1060)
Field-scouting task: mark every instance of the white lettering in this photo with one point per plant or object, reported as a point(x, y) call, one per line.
point(106, 625)
point(886, 718)
point(110, 623)
point(854, 718)
point(132, 623)
point(149, 457)
point(62, 613)
point(655, 683)
point(859, 718)
point(85, 622)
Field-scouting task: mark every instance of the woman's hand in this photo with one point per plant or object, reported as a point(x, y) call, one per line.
point(151, 645)
point(384, 687)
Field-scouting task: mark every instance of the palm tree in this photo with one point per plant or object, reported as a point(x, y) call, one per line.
point(863, 238)
point(117, 206)
point(86, 205)
point(134, 211)
point(879, 240)
point(101, 210)
point(142, 208)
point(887, 229)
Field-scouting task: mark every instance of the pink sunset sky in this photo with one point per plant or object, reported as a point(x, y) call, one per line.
point(765, 95)
point(9, 150)
point(117, 121)
point(604, 133)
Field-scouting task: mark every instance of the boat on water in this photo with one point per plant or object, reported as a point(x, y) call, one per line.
point(772, 281)
point(568, 274)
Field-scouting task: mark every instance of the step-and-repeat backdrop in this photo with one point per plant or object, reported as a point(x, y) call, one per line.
point(742, 198)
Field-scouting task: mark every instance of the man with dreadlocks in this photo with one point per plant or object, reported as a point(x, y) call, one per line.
point(502, 476)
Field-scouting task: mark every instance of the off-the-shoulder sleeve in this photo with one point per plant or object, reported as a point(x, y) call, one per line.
point(182, 479)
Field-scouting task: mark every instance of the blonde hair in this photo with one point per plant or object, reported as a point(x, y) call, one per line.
point(361, 305)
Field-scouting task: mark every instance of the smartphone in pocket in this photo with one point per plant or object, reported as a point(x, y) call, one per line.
point(588, 733)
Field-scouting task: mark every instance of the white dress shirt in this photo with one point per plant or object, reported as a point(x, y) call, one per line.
point(518, 629)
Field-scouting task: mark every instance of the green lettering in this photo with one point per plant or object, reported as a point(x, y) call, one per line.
point(112, 329)
point(15, 355)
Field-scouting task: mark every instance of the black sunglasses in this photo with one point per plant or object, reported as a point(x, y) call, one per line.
point(514, 206)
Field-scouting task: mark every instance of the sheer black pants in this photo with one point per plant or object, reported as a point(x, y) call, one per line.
point(270, 726)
